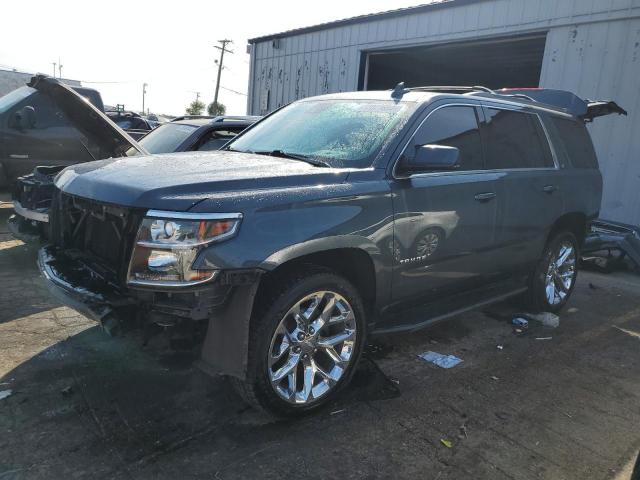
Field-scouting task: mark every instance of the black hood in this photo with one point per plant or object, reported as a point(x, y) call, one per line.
point(87, 118)
point(177, 181)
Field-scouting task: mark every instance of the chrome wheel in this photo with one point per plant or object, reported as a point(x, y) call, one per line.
point(560, 274)
point(312, 347)
point(428, 244)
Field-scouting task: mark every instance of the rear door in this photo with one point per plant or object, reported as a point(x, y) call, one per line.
point(518, 150)
point(444, 222)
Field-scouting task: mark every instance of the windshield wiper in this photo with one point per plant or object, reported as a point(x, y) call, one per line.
point(294, 156)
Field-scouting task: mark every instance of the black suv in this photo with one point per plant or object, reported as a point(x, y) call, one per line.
point(333, 218)
point(195, 132)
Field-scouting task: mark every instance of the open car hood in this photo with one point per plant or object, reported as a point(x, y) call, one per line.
point(87, 118)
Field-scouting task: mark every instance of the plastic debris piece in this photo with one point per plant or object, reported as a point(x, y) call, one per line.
point(500, 347)
point(493, 377)
point(520, 323)
point(338, 411)
point(67, 391)
point(547, 319)
point(572, 310)
point(446, 443)
point(443, 361)
point(5, 393)
point(544, 338)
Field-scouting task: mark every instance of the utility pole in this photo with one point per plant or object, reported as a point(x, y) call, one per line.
point(222, 49)
point(54, 69)
point(144, 92)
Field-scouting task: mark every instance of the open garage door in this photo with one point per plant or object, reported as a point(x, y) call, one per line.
point(496, 63)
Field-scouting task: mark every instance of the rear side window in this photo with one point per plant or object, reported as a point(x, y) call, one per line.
point(516, 140)
point(454, 126)
point(576, 142)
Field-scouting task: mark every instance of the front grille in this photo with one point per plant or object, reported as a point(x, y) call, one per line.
point(100, 232)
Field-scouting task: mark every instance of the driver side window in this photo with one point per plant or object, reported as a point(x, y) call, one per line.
point(452, 126)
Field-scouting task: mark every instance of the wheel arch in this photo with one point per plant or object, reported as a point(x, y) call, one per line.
point(574, 222)
point(353, 262)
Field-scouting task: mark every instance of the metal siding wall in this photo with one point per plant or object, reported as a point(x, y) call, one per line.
point(602, 61)
point(592, 49)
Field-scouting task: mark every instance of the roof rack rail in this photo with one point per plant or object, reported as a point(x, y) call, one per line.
point(450, 88)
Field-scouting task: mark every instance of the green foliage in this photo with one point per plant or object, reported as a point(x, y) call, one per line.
point(195, 108)
point(216, 108)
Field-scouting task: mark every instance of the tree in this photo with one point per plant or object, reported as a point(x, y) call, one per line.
point(195, 108)
point(216, 108)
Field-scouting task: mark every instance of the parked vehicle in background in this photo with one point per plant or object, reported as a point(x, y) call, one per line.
point(334, 218)
point(131, 122)
point(72, 131)
point(36, 130)
point(191, 133)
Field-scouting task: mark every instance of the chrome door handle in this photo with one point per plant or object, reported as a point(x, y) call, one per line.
point(485, 197)
point(549, 188)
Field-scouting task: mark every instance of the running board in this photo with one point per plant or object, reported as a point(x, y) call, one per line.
point(446, 309)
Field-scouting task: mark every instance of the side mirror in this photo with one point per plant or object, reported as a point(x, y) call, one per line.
point(23, 119)
point(428, 158)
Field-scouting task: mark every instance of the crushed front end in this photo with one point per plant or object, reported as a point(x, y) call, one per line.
point(118, 266)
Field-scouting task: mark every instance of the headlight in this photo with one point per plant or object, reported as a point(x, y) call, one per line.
point(168, 242)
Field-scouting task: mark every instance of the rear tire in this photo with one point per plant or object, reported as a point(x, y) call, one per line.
point(306, 338)
point(554, 278)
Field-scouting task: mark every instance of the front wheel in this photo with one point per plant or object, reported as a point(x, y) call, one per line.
point(304, 348)
point(555, 276)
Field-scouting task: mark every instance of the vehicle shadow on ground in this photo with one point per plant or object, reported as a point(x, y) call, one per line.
point(114, 395)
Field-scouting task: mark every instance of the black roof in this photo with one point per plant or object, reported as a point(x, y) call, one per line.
point(435, 5)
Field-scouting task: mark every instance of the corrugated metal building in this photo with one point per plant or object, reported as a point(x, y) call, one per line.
point(591, 47)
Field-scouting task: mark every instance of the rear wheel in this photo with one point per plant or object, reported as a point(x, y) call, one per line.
point(304, 347)
point(555, 276)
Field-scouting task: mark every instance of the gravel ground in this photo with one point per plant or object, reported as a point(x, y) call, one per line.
point(84, 405)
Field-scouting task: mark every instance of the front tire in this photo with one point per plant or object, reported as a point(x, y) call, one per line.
point(555, 276)
point(305, 341)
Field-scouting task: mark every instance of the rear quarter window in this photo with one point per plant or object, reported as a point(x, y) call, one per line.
point(576, 142)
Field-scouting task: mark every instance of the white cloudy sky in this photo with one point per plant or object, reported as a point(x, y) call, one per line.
point(167, 44)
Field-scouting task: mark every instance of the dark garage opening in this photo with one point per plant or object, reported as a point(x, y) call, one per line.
point(506, 62)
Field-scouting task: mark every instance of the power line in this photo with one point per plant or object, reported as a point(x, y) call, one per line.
point(233, 91)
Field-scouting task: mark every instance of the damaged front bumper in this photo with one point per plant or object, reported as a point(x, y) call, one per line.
point(70, 282)
point(220, 312)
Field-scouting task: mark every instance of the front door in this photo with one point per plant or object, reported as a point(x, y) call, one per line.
point(445, 222)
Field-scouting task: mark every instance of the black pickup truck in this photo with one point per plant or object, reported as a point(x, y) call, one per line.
point(332, 219)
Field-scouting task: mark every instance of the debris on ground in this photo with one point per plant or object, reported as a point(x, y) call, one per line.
point(338, 411)
point(5, 393)
point(442, 361)
point(547, 319)
point(67, 391)
point(493, 377)
point(544, 338)
point(446, 443)
point(572, 310)
point(500, 347)
point(463, 431)
point(593, 287)
point(520, 323)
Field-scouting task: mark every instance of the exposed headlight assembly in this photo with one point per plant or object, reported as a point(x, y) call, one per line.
point(168, 242)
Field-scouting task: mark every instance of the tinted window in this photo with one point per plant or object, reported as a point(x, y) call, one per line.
point(14, 97)
point(216, 139)
point(166, 138)
point(516, 140)
point(576, 142)
point(454, 126)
